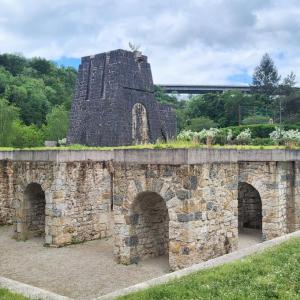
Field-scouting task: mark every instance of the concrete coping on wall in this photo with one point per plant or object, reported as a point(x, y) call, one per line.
point(154, 156)
point(228, 258)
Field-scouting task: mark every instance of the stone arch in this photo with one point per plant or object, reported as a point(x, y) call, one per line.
point(140, 125)
point(31, 216)
point(249, 207)
point(148, 222)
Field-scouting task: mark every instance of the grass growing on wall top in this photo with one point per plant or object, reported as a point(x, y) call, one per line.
point(273, 274)
point(169, 145)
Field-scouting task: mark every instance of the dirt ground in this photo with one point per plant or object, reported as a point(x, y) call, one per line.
point(249, 237)
point(82, 271)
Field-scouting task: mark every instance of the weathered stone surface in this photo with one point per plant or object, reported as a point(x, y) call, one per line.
point(114, 103)
point(66, 202)
point(192, 214)
point(131, 241)
point(183, 194)
point(185, 217)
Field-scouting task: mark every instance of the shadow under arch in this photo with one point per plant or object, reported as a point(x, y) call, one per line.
point(249, 207)
point(32, 217)
point(148, 226)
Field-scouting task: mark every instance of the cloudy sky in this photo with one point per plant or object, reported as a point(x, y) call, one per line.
point(190, 42)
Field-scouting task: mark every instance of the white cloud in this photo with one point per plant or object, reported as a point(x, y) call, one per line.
point(192, 41)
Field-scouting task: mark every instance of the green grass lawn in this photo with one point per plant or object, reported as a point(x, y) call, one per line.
point(273, 274)
point(7, 295)
point(168, 145)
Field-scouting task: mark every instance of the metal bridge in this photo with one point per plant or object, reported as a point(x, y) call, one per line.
point(202, 89)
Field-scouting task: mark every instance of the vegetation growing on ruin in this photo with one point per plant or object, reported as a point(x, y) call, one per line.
point(273, 274)
point(169, 145)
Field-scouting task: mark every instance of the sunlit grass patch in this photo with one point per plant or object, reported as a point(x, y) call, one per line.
point(273, 274)
point(7, 295)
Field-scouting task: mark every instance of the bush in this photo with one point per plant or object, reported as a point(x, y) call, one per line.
point(26, 136)
point(258, 119)
point(287, 137)
point(57, 124)
point(186, 135)
point(258, 130)
point(8, 114)
point(244, 137)
point(203, 136)
point(200, 123)
point(262, 142)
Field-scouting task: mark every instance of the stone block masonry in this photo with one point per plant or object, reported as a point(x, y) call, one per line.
point(187, 204)
point(114, 102)
point(76, 203)
point(196, 201)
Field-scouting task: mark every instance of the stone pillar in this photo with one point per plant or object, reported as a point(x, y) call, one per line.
point(6, 193)
point(293, 205)
point(286, 211)
point(78, 206)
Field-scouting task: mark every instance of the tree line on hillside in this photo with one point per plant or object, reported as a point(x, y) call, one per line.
point(35, 100)
point(36, 95)
point(271, 100)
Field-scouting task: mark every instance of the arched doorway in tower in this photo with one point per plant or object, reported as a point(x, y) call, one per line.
point(149, 227)
point(249, 215)
point(34, 206)
point(140, 126)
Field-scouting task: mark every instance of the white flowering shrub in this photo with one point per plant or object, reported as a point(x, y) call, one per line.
point(244, 137)
point(229, 136)
point(186, 135)
point(277, 135)
point(202, 136)
point(280, 136)
point(291, 137)
point(208, 135)
point(212, 132)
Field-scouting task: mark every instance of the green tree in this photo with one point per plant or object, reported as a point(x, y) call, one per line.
point(265, 79)
point(29, 94)
point(288, 84)
point(8, 114)
point(291, 108)
point(26, 136)
point(57, 124)
point(41, 65)
point(256, 119)
point(5, 79)
point(197, 124)
point(208, 105)
point(13, 63)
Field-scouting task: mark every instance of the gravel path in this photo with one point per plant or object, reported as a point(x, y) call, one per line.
point(249, 237)
point(82, 271)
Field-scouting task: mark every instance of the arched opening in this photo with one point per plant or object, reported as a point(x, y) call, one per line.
point(140, 127)
point(249, 214)
point(149, 226)
point(34, 210)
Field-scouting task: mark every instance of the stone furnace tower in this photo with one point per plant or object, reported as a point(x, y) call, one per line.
point(114, 102)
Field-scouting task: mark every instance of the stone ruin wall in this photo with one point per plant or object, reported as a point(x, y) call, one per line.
point(199, 201)
point(77, 196)
point(278, 185)
point(115, 90)
point(202, 207)
point(6, 193)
